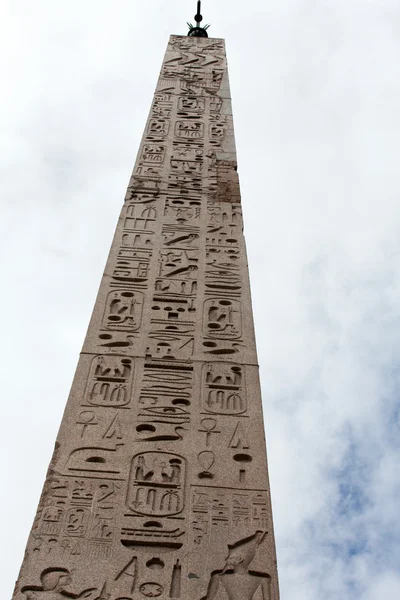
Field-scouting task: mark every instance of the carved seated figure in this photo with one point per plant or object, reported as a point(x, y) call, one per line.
point(53, 586)
point(238, 581)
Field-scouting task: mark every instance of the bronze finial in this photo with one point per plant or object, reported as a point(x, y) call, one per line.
point(198, 17)
point(198, 31)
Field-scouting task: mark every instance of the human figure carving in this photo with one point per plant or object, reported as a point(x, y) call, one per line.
point(54, 581)
point(239, 582)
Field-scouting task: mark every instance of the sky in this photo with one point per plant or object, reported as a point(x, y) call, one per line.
point(316, 96)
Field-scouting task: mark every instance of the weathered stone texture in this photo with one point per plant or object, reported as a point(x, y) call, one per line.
point(159, 485)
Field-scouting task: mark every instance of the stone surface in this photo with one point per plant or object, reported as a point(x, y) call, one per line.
point(159, 486)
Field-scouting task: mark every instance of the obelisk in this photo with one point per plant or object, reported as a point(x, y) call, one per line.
point(158, 487)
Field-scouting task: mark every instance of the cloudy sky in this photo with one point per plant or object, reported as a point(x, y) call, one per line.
point(316, 91)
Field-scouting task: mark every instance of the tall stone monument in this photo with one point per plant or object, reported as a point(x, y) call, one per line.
point(158, 487)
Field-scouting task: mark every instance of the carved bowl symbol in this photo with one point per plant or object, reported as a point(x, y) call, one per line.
point(151, 590)
point(206, 460)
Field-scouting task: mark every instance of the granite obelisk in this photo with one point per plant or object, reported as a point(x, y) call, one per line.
point(158, 486)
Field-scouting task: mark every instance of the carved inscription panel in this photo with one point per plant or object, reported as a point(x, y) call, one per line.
point(78, 517)
point(214, 510)
point(157, 484)
point(110, 381)
point(224, 389)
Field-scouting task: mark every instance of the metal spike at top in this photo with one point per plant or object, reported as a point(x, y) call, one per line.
point(197, 30)
point(198, 17)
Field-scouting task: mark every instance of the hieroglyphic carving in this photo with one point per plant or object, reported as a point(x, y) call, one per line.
point(111, 428)
point(171, 381)
point(176, 287)
point(79, 517)
point(178, 264)
point(239, 439)
point(222, 319)
point(223, 273)
point(134, 240)
point(220, 215)
point(134, 269)
point(182, 210)
point(130, 572)
point(118, 342)
point(169, 310)
point(140, 218)
point(185, 44)
point(235, 577)
point(191, 104)
point(224, 389)
point(163, 96)
point(190, 130)
point(87, 419)
point(180, 236)
point(53, 506)
point(165, 400)
point(243, 459)
point(223, 270)
point(109, 381)
point(161, 109)
point(95, 460)
point(195, 60)
point(222, 236)
point(215, 104)
point(153, 534)
point(169, 346)
point(162, 423)
point(147, 171)
point(209, 427)
point(158, 129)
point(53, 582)
point(184, 184)
point(144, 187)
point(124, 309)
point(143, 191)
point(150, 577)
point(228, 324)
point(166, 86)
point(195, 82)
point(188, 150)
point(218, 127)
point(150, 589)
point(187, 158)
point(153, 153)
point(103, 512)
point(176, 580)
point(206, 460)
point(157, 484)
point(213, 509)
